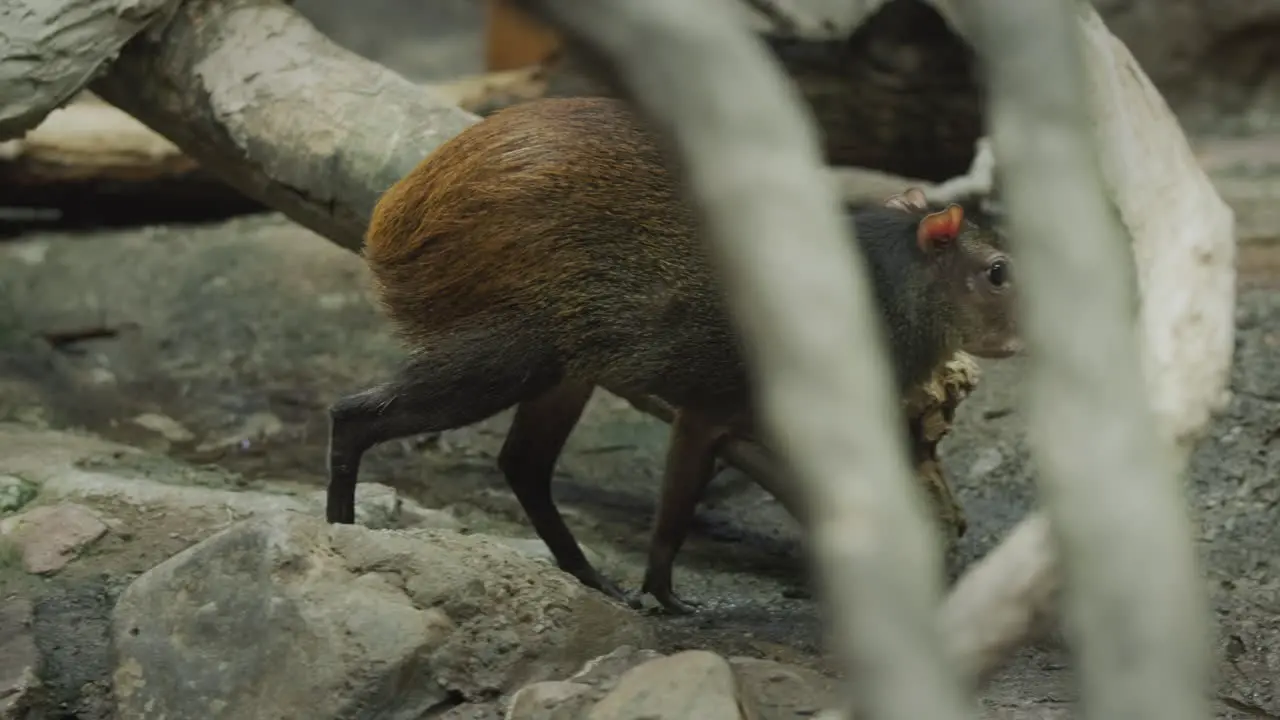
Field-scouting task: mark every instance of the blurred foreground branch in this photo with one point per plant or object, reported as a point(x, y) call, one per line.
point(1108, 474)
point(751, 159)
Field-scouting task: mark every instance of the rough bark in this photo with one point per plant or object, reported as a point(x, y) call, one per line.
point(823, 379)
point(1133, 597)
point(930, 410)
point(51, 49)
point(255, 94)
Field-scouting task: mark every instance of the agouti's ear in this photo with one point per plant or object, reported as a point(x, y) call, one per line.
point(937, 229)
point(912, 199)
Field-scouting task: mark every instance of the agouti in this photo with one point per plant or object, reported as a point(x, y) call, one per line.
point(548, 249)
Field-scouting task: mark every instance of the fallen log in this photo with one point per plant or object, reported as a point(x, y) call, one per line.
point(251, 91)
point(95, 165)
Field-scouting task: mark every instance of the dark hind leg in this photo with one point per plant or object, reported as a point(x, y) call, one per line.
point(435, 391)
point(690, 466)
point(528, 459)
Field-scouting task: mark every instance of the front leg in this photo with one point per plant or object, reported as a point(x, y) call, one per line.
point(528, 457)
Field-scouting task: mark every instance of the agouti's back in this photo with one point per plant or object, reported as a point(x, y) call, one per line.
point(558, 218)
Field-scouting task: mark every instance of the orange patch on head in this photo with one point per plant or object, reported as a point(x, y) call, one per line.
point(937, 229)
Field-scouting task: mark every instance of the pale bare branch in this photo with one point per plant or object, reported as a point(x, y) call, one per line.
point(255, 94)
point(1109, 477)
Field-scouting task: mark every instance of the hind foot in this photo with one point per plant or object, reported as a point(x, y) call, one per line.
point(672, 604)
point(593, 579)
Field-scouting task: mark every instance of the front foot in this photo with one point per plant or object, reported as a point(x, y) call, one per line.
point(340, 507)
point(340, 496)
point(660, 588)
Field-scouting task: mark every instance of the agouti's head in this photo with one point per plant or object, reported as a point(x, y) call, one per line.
point(973, 274)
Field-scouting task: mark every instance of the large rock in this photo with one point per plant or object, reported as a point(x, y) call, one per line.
point(285, 616)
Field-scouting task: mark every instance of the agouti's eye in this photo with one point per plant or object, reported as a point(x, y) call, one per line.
point(998, 273)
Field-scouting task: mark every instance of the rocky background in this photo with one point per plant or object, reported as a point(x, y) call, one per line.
point(162, 442)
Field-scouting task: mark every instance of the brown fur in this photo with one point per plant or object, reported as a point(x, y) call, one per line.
point(558, 214)
point(547, 250)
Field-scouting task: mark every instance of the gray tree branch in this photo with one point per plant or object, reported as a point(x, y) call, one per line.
point(751, 159)
point(1108, 473)
point(254, 93)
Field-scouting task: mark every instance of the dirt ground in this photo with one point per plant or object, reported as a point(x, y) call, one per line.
point(249, 329)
